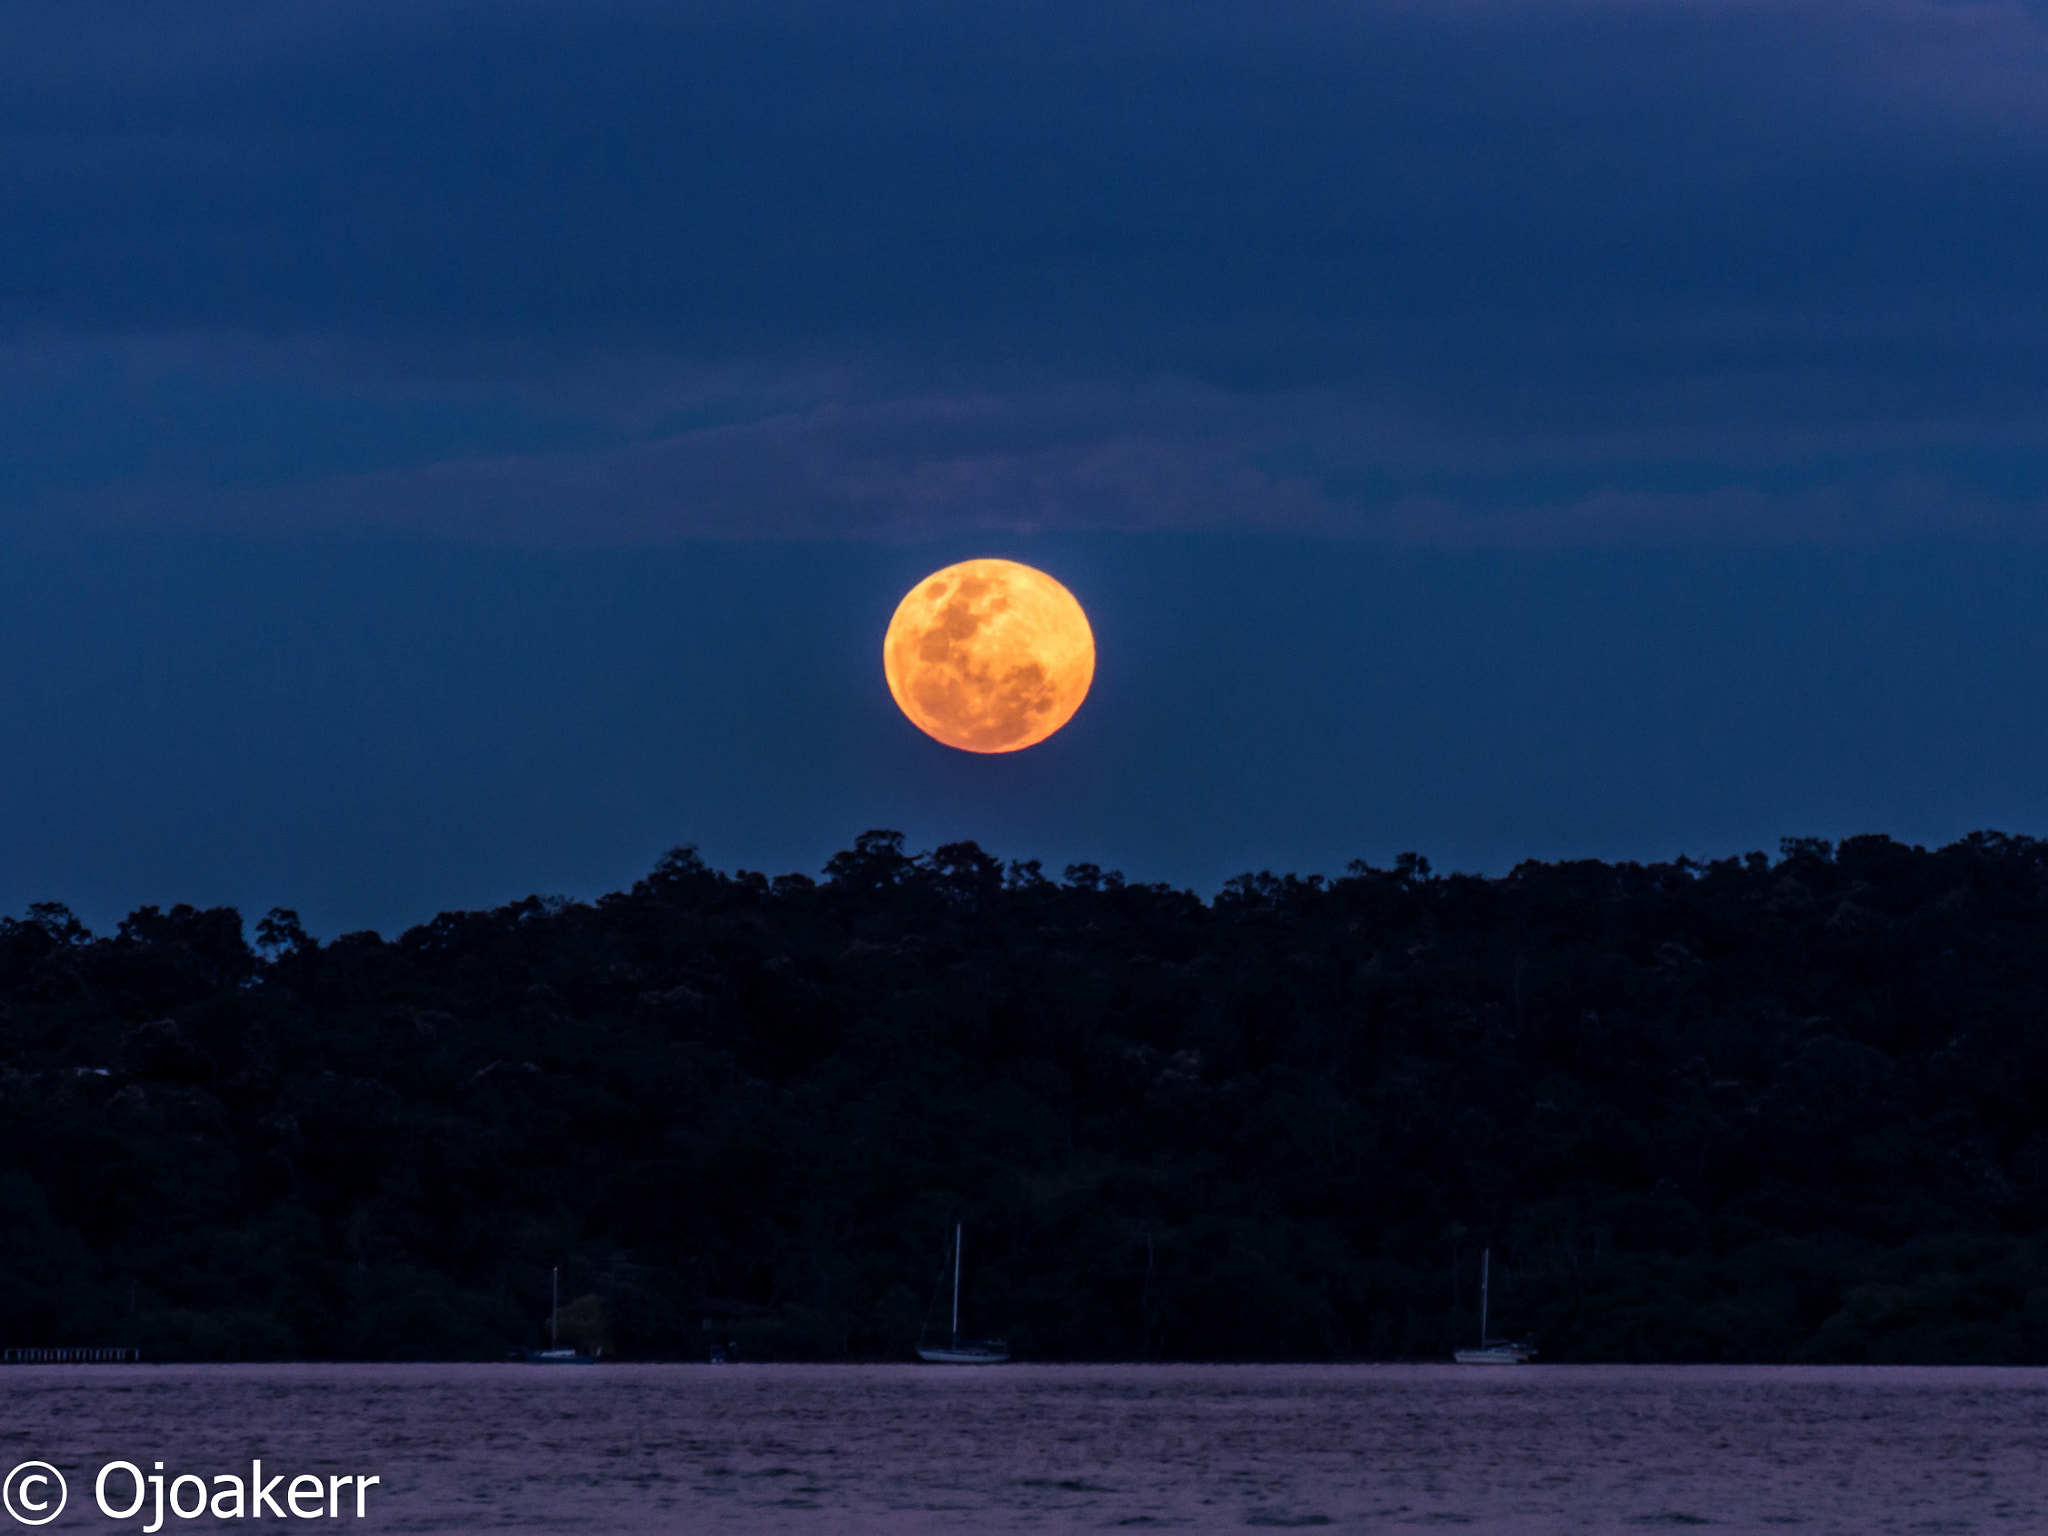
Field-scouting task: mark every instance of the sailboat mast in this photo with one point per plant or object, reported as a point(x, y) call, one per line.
point(956, 1281)
point(1485, 1278)
point(555, 1308)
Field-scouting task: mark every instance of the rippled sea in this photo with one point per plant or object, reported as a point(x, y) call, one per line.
point(1052, 1448)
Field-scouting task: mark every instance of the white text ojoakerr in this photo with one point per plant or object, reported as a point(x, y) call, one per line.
point(307, 1495)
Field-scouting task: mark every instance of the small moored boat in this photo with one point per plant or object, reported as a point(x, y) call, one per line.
point(1491, 1351)
point(962, 1351)
point(554, 1354)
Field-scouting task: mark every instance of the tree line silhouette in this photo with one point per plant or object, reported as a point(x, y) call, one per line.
point(1789, 1108)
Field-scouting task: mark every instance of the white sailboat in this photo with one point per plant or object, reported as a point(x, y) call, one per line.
point(963, 1351)
point(554, 1354)
point(1491, 1351)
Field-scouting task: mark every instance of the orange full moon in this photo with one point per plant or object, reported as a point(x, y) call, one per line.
point(989, 656)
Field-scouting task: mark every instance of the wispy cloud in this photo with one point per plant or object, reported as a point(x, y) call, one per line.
point(621, 452)
point(1497, 270)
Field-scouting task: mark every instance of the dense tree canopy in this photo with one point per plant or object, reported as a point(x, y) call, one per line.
point(1754, 1109)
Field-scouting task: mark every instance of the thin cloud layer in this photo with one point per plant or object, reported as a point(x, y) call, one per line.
point(1486, 272)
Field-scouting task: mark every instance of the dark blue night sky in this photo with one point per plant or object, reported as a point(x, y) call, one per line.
point(451, 451)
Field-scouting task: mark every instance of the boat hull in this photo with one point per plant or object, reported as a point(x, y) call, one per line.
point(962, 1356)
point(1494, 1354)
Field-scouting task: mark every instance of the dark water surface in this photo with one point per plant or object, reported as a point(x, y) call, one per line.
point(1023, 1447)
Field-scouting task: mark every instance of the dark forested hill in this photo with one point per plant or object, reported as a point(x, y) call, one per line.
point(1748, 1110)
